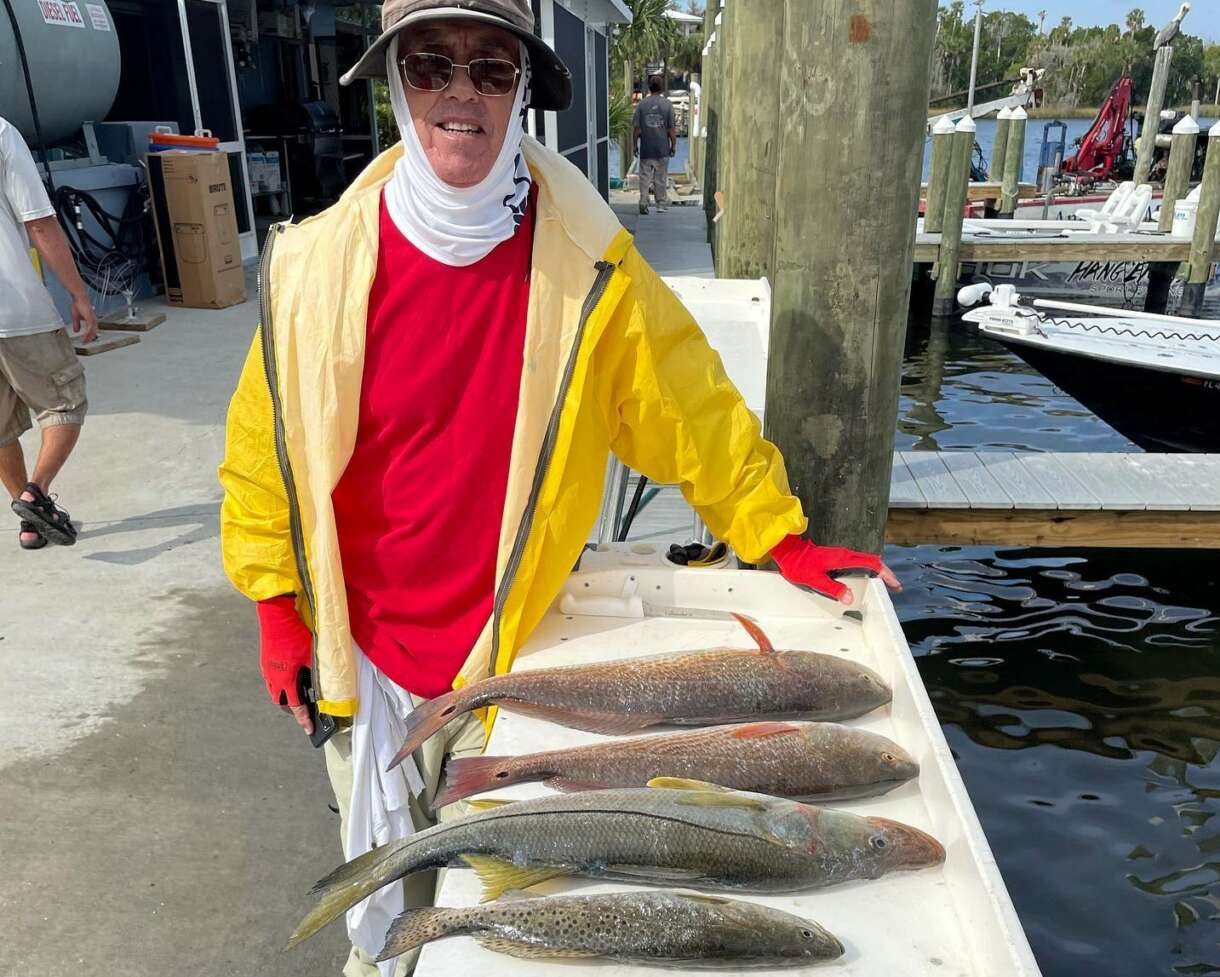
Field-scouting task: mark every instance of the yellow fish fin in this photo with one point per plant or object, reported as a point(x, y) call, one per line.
point(486, 803)
point(499, 876)
point(682, 783)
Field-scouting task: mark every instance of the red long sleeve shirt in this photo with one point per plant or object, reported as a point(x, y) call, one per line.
point(419, 506)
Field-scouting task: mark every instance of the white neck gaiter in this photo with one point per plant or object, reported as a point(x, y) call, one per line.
point(457, 226)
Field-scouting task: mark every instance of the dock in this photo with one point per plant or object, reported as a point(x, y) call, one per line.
point(997, 246)
point(1007, 498)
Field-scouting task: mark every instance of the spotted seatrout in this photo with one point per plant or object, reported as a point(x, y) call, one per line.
point(813, 761)
point(662, 927)
point(699, 688)
point(677, 832)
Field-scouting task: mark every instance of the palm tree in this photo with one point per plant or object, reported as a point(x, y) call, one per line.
point(1135, 20)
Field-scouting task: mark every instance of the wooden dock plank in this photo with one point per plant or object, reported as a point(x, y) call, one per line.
point(1018, 481)
point(1149, 483)
point(904, 491)
point(1077, 247)
point(1056, 479)
point(934, 480)
point(1103, 475)
point(980, 486)
point(1049, 527)
point(1194, 478)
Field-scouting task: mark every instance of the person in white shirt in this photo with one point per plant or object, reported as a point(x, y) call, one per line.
point(39, 371)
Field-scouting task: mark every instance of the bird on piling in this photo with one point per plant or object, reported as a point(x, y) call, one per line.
point(1172, 29)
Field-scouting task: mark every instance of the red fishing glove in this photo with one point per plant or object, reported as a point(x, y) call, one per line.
point(285, 646)
point(806, 564)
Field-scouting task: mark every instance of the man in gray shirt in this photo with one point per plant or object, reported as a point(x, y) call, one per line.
point(655, 137)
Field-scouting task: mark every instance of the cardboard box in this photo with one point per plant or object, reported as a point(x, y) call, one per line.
point(196, 222)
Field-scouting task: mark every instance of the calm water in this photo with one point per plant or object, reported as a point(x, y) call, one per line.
point(1079, 690)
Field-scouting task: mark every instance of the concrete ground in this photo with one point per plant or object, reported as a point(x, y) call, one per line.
point(157, 814)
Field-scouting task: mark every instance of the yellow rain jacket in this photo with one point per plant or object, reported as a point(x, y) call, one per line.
point(613, 362)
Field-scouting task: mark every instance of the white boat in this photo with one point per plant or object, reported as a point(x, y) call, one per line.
point(956, 918)
point(1153, 378)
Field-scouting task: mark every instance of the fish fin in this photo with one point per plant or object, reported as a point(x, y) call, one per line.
point(755, 631)
point(429, 718)
point(704, 794)
point(498, 875)
point(753, 731)
point(704, 897)
point(684, 783)
point(474, 775)
point(350, 883)
point(514, 948)
point(486, 803)
point(566, 785)
point(415, 927)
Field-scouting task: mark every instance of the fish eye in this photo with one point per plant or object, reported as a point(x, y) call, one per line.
point(808, 934)
point(878, 842)
point(888, 757)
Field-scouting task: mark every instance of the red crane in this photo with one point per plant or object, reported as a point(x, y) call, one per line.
point(1102, 147)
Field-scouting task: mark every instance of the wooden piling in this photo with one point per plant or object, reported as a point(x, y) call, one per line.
point(843, 247)
point(938, 175)
point(1014, 162)
point(999, 148)
point(1203, 244)
point(1152, 114)
point(754, 30)
point(944, 303)
point(1177, 175)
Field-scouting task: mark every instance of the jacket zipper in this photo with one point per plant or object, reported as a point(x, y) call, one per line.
point(605, 270)
point(281, 444)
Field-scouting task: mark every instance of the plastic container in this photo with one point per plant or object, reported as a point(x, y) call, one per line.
point(1185, 214)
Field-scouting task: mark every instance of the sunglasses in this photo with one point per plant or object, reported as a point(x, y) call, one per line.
point(433, 73)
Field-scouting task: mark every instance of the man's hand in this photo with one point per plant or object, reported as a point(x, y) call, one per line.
point(84, 319)
point(285, 648)
point(805, 564)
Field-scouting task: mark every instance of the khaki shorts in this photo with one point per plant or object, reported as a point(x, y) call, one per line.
point(39, 374)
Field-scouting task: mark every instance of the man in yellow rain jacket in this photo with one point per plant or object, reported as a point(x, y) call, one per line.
point(417, 445)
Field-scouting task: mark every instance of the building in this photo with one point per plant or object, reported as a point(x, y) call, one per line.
point(687, 23)
point(263, 77)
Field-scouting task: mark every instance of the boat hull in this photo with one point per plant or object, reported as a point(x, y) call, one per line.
point(1157, 410)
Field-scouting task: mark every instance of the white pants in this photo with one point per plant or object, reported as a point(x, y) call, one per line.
point(463, 737)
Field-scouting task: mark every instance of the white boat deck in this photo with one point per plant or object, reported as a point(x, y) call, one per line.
point(955, 920)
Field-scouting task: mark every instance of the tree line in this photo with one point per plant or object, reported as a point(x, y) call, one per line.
point(1082, 62)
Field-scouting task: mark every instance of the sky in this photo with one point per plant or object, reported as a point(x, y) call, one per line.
point(1203, 19)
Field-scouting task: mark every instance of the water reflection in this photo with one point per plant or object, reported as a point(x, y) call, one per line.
point(1079, 691)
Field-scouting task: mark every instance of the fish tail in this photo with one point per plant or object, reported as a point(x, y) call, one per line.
point(415, 927)
point(431, 717)
point(353, 881)
point(474, 775)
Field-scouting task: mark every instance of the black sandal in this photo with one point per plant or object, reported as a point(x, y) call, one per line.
point(31, 544)
point(49, 520)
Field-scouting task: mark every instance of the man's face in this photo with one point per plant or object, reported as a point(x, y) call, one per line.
point(460, 156)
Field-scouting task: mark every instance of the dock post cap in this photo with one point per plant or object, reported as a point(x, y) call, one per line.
point(1186, 127)
point(1019, 113)
point(1004, 113)
point(1214, 131)
point(943, 124)
point(966, 124)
